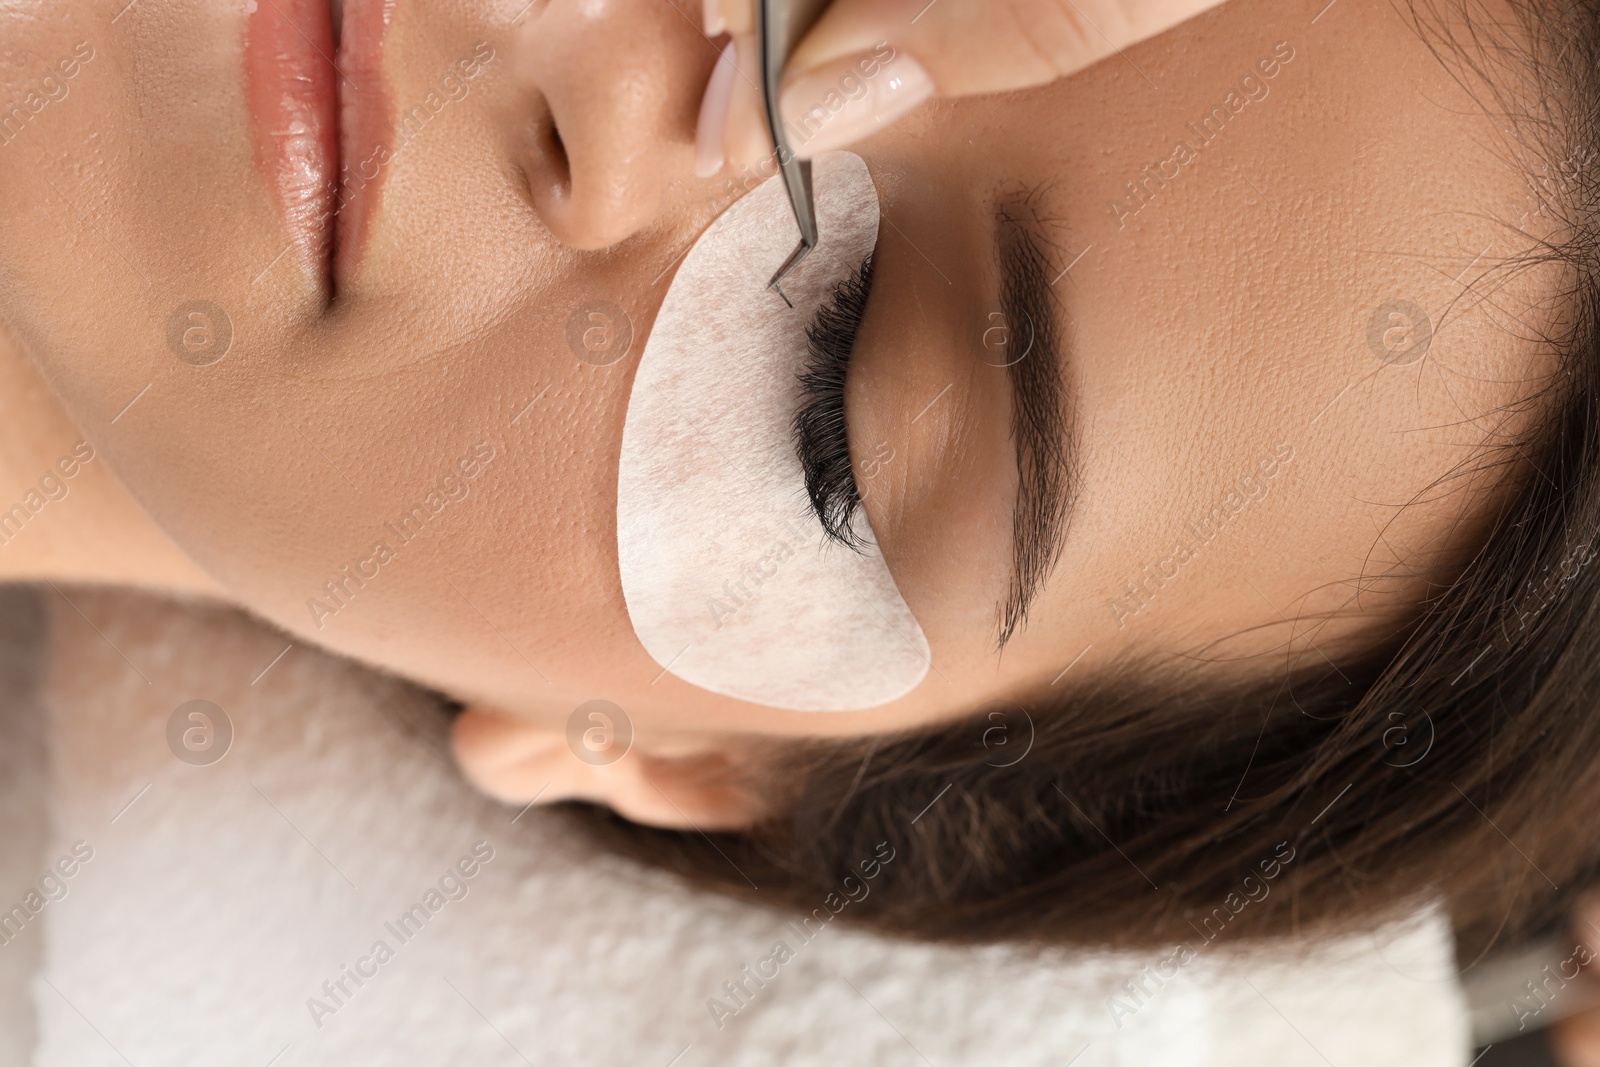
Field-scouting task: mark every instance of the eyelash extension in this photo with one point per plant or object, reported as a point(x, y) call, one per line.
point(820, 437)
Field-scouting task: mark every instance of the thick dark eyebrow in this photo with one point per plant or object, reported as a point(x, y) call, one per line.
point(1046, 478)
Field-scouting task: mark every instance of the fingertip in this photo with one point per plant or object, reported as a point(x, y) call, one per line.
point(746, 139)
point(711, 129)
point(711, 18)
point(841, 103)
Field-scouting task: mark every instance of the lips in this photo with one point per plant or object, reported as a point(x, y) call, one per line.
point(319, 114)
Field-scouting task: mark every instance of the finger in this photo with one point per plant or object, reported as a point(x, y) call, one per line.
point(747, 141)
point(712, 126)
point(869, 63)
point(849, 99)
point(982, 46)
point(729, 16)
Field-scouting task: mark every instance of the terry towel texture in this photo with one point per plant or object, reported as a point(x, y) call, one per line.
point(222, 903)
point(24, 814)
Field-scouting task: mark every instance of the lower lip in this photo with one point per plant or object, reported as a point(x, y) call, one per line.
point(318, 130)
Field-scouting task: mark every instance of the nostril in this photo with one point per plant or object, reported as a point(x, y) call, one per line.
point(556, 151)
point(590, 165)
point(546, 165)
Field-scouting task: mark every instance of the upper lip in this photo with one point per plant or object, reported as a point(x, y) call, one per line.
point(315, 111)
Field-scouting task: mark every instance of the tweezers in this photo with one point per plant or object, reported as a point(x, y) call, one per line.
point(780, 25)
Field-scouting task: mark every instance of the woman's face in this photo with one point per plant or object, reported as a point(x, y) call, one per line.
point(1263, 242)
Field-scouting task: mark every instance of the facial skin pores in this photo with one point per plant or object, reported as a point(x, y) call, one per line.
point(729, 580)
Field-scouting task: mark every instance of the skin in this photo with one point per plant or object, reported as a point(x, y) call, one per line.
point(1225, 317)
point(1573, 1038)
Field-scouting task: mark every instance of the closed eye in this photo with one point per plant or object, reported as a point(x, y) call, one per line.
point(821, 439)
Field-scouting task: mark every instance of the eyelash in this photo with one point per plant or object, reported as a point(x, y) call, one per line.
point(820, 436)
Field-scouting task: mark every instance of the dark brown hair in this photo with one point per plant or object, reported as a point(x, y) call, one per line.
point(1455, 757)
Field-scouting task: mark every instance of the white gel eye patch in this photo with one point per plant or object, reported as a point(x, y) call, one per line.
point(729, 581)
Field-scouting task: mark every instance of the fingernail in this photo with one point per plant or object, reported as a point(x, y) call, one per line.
point(715, 24)
point(746, 142)
point(847, 100)
point(713, 121)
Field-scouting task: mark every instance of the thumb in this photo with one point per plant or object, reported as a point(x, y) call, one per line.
point(868, 62)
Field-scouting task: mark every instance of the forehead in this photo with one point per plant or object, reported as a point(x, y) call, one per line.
point(1287, 322)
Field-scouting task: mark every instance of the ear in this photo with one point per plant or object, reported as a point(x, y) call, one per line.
point(693, 788)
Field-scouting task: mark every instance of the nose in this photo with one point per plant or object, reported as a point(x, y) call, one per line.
point(611, 91)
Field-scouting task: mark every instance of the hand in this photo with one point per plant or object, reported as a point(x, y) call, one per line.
point(868, 63)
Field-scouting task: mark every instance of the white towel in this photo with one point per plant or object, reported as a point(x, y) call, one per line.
point(24, 813)
point(219, 899)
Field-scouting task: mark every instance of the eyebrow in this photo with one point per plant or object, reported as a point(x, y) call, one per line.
point(1046, 458)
